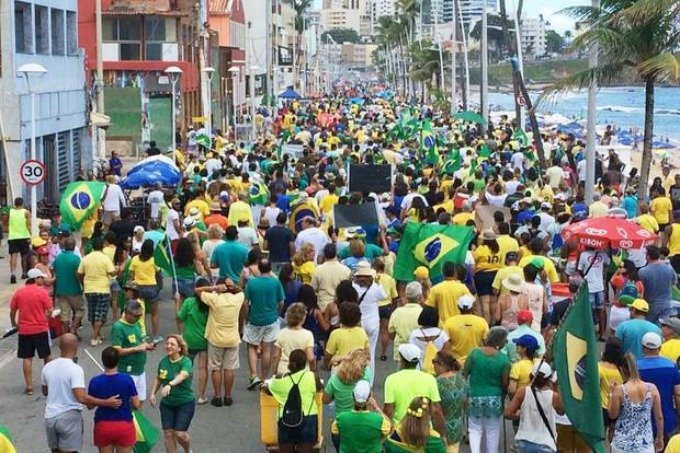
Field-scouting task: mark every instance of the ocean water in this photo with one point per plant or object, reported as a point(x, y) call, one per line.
point(622, 106)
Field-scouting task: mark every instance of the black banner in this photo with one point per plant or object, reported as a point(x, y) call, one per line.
point(345, 215)
point(370, 178)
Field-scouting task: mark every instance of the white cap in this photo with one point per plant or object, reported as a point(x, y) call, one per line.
point(466, 301)
point(139, 228)
point(545, 369)
point(651, 340)
point(362, 391)
point(409, 352)
point(189, 222)
point(36, 273)
point(193, 212)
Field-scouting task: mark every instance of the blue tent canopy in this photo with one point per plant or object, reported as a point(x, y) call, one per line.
point(290, 93)
point(150, 171)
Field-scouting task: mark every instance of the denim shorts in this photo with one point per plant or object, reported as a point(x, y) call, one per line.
point(177, 418)
point(148, 293)
point(97, 306)
point(524, 446)
point(306, 433)
point(185, 287)
point(597, 299)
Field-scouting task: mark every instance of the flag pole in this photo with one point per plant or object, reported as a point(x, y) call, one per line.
point(94, 360)
point(172, 262)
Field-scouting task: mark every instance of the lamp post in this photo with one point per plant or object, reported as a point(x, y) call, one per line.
point(234, 71)
point(33, 71)
point(174, 73)
point(253, 71)
point(207, 99)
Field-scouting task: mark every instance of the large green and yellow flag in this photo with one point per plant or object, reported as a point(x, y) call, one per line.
point(79, 201)
point(430, 245)
point(147, 433)
point(575, 360)
point(163, 259)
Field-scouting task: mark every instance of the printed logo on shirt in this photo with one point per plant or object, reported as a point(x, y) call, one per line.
point(162, 374)
point(132, 338)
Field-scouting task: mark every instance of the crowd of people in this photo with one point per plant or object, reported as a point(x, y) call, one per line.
point(316, 306)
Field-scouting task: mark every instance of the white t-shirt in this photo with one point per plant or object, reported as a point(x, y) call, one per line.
point(594, 277)
point(209, 247)
point(555, 175)
point(114, 199)
point(370, 313)
point(170, 230)
point(248, 237)
point(212, 164)
point(408, 200)
point(581, 170)
point(429, 332)
point(511, 186)
point(271, 214)
point(517, 160)
point(497, 201)
point(61, 376)
point(155, 199)
point(313, 236)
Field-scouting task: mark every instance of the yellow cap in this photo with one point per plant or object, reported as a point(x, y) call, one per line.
point(37, 241)
point(244, 217)
point(421, 273)
point(640, 305)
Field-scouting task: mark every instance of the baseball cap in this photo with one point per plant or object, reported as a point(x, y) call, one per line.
point(651, 340)
point(42, 250)
point(421, 272)
point(410, 352)
point(528, 341)
point(189, 222)
point(545, 369)
point(355, 232)
point(640, 305)
point(362, 391)
point(525, 316)
point(36, 273)
point(466, 301)
point(193, 212)
point(673, 323)
point(538, 262)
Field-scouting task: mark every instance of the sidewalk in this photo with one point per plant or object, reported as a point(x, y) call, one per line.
point(8, 346)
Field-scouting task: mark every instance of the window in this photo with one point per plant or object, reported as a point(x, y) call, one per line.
point(42, 30)
point(58, 43)
point(156, 32)
point(71, 33)
point(23, 27)
point(127, 32)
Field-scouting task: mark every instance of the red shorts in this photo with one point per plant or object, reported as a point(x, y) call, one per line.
point(119, 433)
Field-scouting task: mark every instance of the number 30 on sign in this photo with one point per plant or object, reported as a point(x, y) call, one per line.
point(32, 172)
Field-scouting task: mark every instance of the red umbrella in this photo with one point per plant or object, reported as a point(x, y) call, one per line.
point(603, 232)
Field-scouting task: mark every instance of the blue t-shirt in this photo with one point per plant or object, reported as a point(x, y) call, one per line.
point(630, 205)
point(263, 294)
point(631, 333)
point(230, 257)
point(278, 240)
point(665, 375)
point(658, 279)
point(107, 385)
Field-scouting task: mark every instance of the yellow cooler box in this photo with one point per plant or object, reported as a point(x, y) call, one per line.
point(269, 431)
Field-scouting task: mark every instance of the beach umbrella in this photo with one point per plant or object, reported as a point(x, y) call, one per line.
point(604, 232)
point(289, 93)
point(151, 172)
point(472, 117)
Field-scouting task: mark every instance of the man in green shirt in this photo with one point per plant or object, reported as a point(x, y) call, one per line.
point(126, 336)
point(67, 287)
point(231, 256)
point(371, 251)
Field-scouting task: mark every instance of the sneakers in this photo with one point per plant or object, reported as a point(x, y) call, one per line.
point(228, 401)
point(13, 280)
point(216, 401)
point(254, 382)
point(202, 400)
point(95, 342)
point(157, 339)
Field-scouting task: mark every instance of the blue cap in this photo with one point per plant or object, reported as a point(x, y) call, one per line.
point(528, 341)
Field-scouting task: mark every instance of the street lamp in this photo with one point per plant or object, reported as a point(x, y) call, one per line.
point(253, 70)
point(33, 71)
point(234, 71)
point(207, 99)
point(174, 73)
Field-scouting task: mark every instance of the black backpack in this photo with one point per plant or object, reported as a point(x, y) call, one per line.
point(293, 416)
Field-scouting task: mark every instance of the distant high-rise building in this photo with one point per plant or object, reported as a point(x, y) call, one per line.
point(380, 8)
point(533, 36)
point(471, 10)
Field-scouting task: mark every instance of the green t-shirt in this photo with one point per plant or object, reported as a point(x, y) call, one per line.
point(372, 252)
point(167, 371)
point(185, 272)
point(342, 392)
point(280, 388)
point(65, 270)
point(124, 335)
point(230, 257)
point(360, 431)
point(485, 372)
point(194, 320)
point(264, 294)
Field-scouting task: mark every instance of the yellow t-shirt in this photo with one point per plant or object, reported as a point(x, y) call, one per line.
point(660, 208)
point(485, 259)
point(288, 340)
point(648, 222)
point(328, 202)
point(548, 266)
point(390, 286)
point(465, 332)
point(201, 205)
point(506, 244)
point(97, 269)
point(447, 206)
point(524, 251)
point(671, 349)
point(345, 340)
point(145, 271)
point(221, 330)
point(608, 376)
point(504, 273)
point(444, 296)
point(305, 272)
point(280, 388)
point(239, 209)
point(462, 218)
point(87, 228)
point(673, 445)
point(110, 251)
point(403, 321)
point(521, 372)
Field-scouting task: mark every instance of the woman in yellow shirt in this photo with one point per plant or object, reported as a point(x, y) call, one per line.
point(143, 273)
point(303, 264)
point(349, 337)
point(487, 262)
point(610, 375)
point(661, 208)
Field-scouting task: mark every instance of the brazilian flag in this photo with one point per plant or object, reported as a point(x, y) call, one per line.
point(163, 259)
point(79, 201)
point(6, 445)
point(258, 193)
point(298, 213)
point(147, 433)
point(453, 162)
point(204, 141)
point(484, 151)
point(520, 137)
point(575, 360)
point(430, 245)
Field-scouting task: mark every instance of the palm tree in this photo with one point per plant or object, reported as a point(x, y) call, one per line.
point(636, 36)
point(300, 8)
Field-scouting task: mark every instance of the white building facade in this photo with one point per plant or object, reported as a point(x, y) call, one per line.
point(43, 32)
point(533, 36)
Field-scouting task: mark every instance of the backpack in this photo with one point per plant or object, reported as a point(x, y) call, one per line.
point(429, 354)
point(292, 415)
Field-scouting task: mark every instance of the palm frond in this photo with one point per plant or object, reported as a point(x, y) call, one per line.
point(645, 11)
point(662, 67)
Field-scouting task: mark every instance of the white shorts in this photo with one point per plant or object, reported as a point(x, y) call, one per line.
point(140, 385)
point(257, 335)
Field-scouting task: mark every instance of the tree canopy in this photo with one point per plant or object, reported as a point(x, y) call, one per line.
point(341, 35)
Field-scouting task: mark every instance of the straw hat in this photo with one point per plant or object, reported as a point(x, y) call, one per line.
point(513, 282)
point(364, 270)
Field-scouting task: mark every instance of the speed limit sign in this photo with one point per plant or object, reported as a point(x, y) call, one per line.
point(32, 172)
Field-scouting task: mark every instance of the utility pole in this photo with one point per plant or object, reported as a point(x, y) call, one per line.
point(203, 48)
point(454, 40)
point(101, 133)
point(484, 95)
point(269, 88)
point(592, 121)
